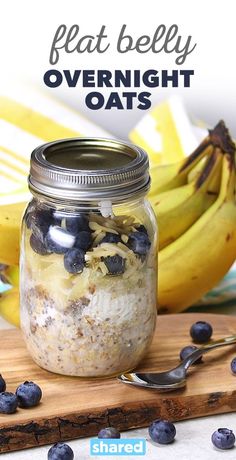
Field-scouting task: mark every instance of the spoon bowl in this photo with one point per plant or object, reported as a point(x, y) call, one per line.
point(175, 378)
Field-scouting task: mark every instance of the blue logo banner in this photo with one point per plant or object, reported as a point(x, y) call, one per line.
point(123, 446)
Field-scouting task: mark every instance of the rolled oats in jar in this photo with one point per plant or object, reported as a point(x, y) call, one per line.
point(88, 258)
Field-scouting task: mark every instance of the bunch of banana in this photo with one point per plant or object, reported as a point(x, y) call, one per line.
point(194, 201)
point(177, 209)
point(197, 221)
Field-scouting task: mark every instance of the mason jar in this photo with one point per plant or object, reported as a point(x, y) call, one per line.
point(88, 258)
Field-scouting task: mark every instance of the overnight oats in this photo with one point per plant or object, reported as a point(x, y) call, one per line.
point(88, 258)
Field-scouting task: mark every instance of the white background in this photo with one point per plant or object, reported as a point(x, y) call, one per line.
point(27, 29)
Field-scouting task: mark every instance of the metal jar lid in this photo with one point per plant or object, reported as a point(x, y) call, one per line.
point(89, 169)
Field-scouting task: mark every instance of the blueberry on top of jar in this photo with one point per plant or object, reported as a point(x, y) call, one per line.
point(59, 240)
point(76, 224)
point(40, 219)
point(139, 243)
point(111, 238)
point(115, 264)
point(141, 228)
point(38, 245)
point(83, 240)
point(74, 260)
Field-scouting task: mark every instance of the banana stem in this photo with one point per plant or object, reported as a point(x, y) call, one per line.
point(205, 148)
point(209, 168)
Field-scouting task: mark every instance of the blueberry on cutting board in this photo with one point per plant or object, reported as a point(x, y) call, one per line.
point(187, 351)
point(2, 384)
point(233, 365)
point(28, 394)
point(8, 403)
point(201, 331)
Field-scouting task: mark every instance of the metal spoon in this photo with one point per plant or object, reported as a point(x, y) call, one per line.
point(175, 378)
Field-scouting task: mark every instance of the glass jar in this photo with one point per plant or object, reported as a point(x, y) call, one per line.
point(88, 258)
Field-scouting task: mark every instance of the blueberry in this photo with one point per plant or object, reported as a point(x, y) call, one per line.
point(74, 261)
point(162, 431)
point(223, 438)
point(233, 365)
point(39, 221)
point(115, 264)
point(29, 394)
point(76, 224)
point(2, 384)
point(59, 240)
point(188, 350)
point(142, 229)
point(8, 403)
point(60, 451)
point(109, 433)
point(38, 246)
point(83, 240)
point(201, 331)
point(139, 243)
point(111, 238)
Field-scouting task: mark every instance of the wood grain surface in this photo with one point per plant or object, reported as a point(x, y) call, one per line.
point(74, 407)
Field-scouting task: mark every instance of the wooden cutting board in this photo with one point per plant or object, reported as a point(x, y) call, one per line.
point(73, 407)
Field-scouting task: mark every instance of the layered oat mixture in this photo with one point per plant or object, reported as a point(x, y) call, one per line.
point(88, 306)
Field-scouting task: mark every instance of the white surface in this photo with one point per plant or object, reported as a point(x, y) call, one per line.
point(193, 440)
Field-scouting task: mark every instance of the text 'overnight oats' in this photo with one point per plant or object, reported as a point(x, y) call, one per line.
point(88, 258)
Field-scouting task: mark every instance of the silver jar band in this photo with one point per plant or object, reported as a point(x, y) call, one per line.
point(89, 169)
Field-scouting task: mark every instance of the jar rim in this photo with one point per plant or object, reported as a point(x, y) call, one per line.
point(117, 169)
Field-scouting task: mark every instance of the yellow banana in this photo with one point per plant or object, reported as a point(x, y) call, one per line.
point(9, 306)
point(12, 275)
point(9, 300)
point(10, 222)
point(198, 259)
point(167, 177)
point(179, 208)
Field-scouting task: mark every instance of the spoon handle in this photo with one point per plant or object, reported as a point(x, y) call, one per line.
point(206, 348)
